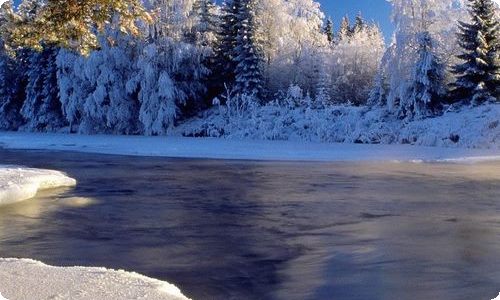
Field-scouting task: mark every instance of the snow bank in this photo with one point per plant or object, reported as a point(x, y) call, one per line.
point(18, 184)
point(28, 279)
point(465, 127)
point(215, 148)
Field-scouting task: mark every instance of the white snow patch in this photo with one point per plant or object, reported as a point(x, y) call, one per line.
point(18, 184)
point(498, 297)
point(29, 279)
point(216, 148)
point(460, 127)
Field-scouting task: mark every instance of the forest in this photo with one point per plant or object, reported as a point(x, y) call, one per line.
point(264, 69)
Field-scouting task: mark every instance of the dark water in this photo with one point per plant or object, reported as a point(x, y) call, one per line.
point(262, 230)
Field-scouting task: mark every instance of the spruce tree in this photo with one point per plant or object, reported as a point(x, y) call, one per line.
point(359, 24)
point(427, 86)
point(248, 53)
point(328, 30)
point(41, 109)
point(12, 87)
point(345, 29)
point(204, 31)
point(478, 77)
point(225, 49)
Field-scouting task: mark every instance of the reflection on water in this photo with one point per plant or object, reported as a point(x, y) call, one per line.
point(262, 230)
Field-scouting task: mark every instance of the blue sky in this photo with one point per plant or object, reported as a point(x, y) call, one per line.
point(376, 10)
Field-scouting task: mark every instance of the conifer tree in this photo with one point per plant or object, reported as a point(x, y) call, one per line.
point(328, 30)
point(345, 29)
point(427, 87)
point(359, 24)
point(229, 28)
point(478, 77)
point(248, 53)
point(12, 87)
point(41, 109)
point(68, 23)
point(204, 31)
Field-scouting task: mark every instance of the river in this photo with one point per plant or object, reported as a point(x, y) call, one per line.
point(268, 230)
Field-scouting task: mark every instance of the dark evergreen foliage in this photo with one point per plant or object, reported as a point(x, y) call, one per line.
point(248, 53)
point(478, 77)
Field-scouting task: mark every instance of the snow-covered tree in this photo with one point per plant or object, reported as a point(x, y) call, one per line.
point(248, 52)
point(205, 29)
point(109, 107)
point(410, 17)
point(328, 30)
point(426, 89)
point(12, 87)
point(345, 31)
point(378, 94)
point(168, 79)
point(225, 50)
point(291, 35)
point(355, 63)
point(359, 24)
point(73, 87)
point(478, 76)
point(41, 109)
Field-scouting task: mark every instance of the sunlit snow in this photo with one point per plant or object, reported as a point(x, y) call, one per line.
point(29, 279)
point(18, 184)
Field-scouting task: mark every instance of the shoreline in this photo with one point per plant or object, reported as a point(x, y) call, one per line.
point(249, 150)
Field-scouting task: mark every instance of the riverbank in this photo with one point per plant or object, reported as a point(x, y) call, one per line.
point(30, 279)
point(215, 148)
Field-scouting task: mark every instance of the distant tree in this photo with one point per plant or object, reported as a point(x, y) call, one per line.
point(478, 76)
point(328, 30)
point(359, 24)
point(204, 32)
point(248, 54)
point(378, 94)
point(345, 29)
point(426, 90)
point(225, 49)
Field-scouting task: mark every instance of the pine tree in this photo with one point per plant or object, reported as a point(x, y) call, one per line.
point(225, 63)
point(345, 29)
point(359, 25)
point(322, 97)
point(12, 87)
point(41, 109)
point(69, 23)
point(248, 53)
point(478, 77)
point(328, 30)
point(378, 94)
point(427, 87)
point(204, 32)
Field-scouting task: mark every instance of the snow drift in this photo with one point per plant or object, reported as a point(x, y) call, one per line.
point(31, 280)
point(18, 184)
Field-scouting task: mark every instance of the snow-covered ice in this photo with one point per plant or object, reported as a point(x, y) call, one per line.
point(216, 148)
point(18, 184)
point(25, 279)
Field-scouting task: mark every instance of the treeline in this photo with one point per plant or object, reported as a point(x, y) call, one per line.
point(195, 51)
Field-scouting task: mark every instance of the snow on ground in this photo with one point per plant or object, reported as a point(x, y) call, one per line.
point(458, 127)
point(31, 280)
point(18, 184)
point(215, 148)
